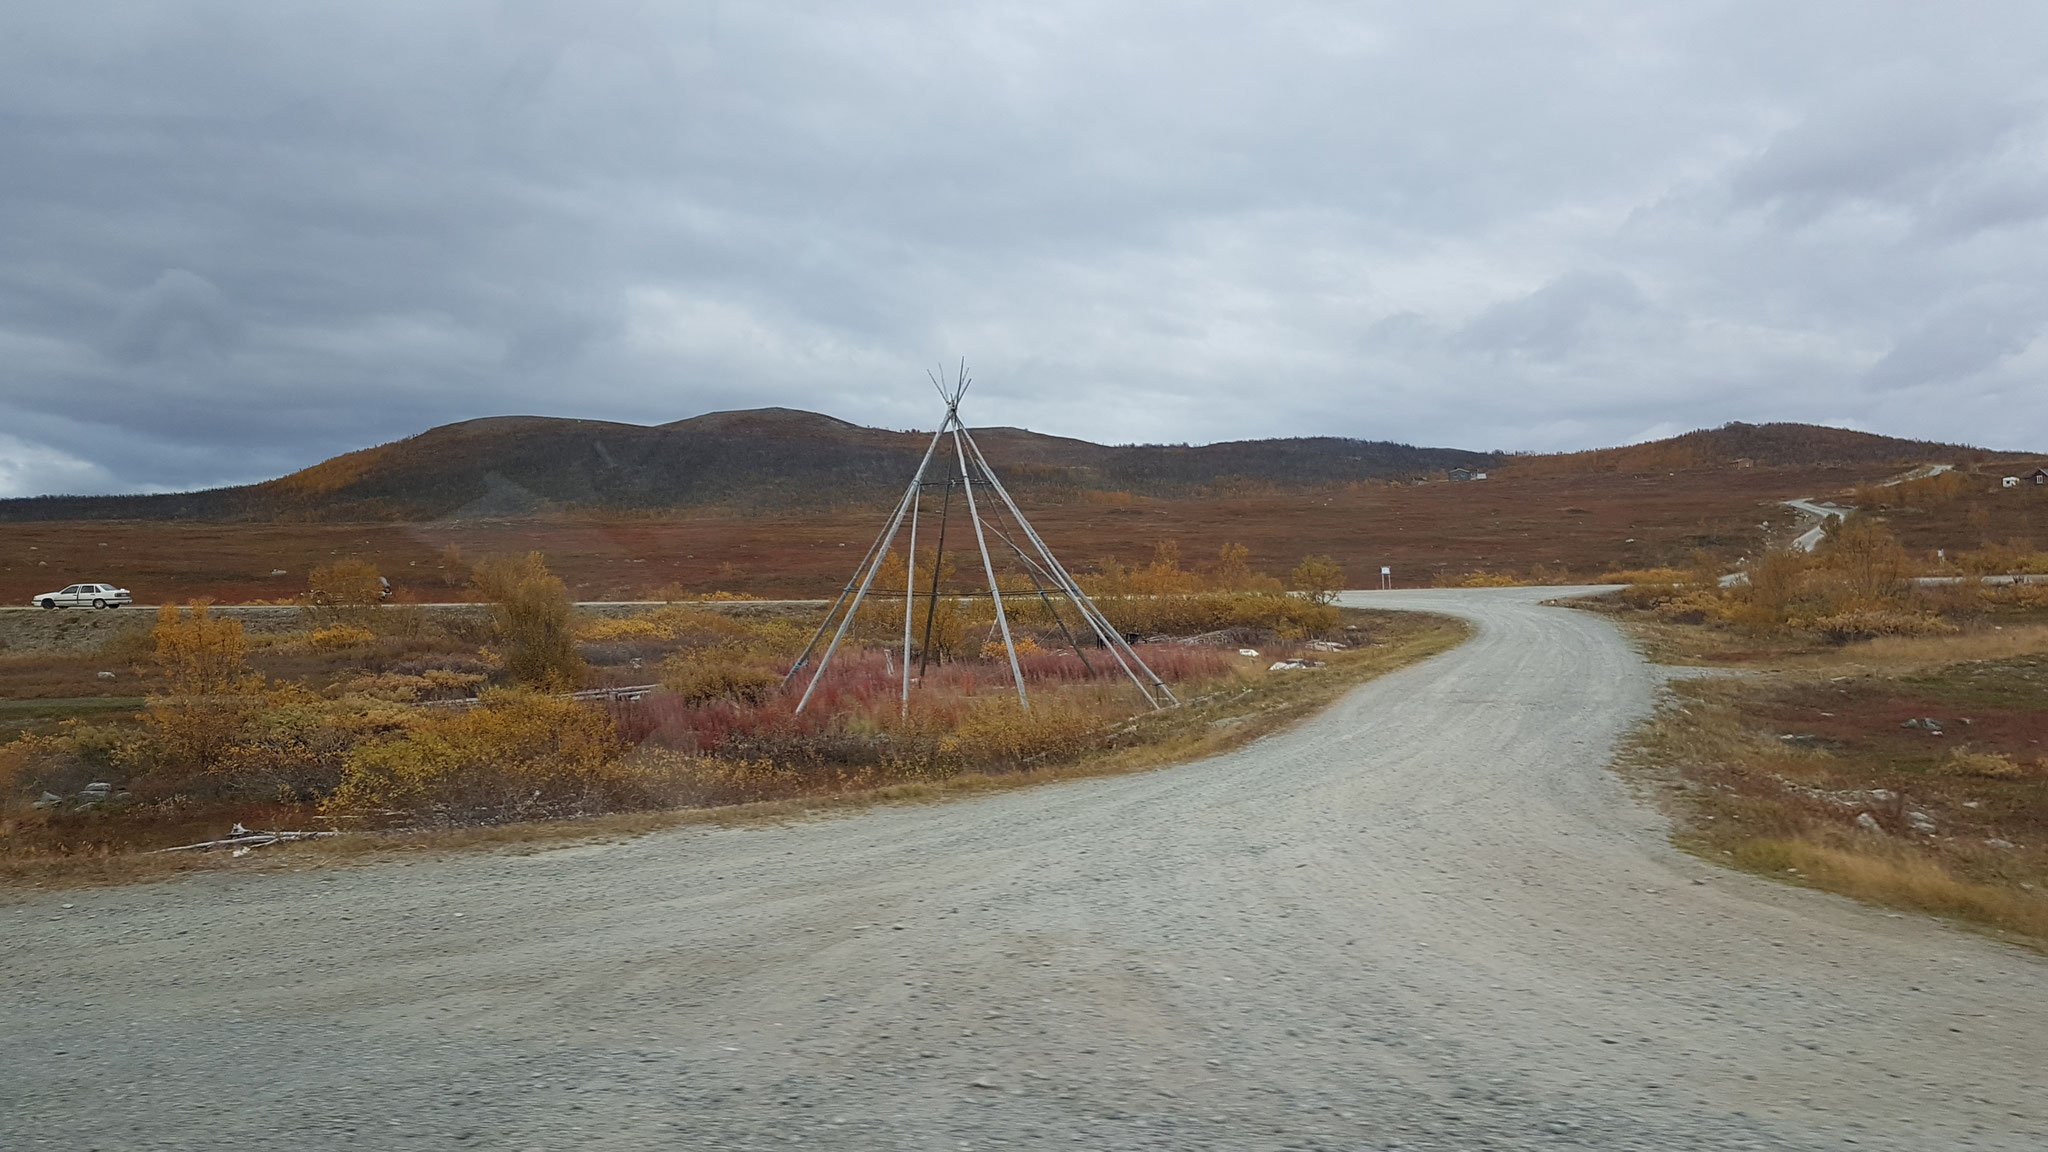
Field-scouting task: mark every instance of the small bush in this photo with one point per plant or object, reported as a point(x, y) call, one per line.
point(1871, 623)
point(1651, 594)
point(993, 650)
point(336, 637)
point(346, 591)
point(1318, 578)
point(533, 613)
point(719, 674)
point(1989, 765)
point(516, 756)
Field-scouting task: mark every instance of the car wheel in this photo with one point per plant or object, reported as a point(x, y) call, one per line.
point(48, 603)
point(99, 603)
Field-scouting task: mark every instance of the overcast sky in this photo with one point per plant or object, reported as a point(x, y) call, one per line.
point(237, 238)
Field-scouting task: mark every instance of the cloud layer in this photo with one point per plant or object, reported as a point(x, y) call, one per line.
point(242, 238)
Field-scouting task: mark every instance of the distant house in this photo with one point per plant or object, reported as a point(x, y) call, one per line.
point(2040, 476)
point(1460, 475)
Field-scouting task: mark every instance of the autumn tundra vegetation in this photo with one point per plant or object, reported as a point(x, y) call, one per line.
point(1889, 738)
point(375, 716)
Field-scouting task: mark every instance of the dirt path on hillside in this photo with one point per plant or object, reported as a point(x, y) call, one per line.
point(1430, 918)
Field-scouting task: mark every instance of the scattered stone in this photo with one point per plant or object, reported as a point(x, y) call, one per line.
point(106, 675)
point(97, 790)
point(1925, 724)
point(1997, 843)
point(1298, 664)
point(1868, 823)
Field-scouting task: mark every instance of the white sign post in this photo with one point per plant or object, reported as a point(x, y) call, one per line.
point(1386, 576)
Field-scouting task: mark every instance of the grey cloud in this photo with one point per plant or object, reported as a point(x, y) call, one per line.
point(259, 235)
point(181, 316)
point(1554, 320)
point(1963, 338)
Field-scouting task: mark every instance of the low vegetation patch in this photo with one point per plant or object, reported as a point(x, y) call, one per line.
point(372, 718)
point(1909, 771)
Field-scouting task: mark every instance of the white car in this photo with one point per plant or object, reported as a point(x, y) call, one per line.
point(85, 596)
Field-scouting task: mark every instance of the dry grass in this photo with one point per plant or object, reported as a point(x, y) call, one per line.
point(1807, 774)
point(1205, 727)
point(1896, 877)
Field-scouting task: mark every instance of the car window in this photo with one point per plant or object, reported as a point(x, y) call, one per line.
point(68, 591)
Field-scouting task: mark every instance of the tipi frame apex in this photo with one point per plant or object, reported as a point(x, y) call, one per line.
point(1048, 576)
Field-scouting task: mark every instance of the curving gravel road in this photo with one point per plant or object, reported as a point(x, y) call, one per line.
point(1430, 918)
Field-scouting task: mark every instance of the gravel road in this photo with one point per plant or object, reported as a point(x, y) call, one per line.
point(1430, 918)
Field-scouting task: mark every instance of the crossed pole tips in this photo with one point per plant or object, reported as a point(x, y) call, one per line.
point(1049, 579)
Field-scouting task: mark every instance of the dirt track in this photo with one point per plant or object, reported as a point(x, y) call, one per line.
point(1430, 918)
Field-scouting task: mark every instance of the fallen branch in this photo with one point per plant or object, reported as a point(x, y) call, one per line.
point(244, 838)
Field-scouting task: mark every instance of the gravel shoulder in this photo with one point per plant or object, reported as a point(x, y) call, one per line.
point(1431, 916)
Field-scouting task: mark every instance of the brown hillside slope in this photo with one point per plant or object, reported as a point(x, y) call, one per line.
point(764, 459)
point(1792, 445)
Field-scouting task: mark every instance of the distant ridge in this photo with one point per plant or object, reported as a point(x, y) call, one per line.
point(1768, 445)
point(760, 459)
point(769, 459)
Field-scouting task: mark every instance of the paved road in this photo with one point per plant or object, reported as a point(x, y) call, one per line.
point(1428, 919)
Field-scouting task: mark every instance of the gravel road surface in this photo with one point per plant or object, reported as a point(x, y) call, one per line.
point(1430, 918)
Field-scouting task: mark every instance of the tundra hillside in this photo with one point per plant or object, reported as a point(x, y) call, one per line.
point(765, 500)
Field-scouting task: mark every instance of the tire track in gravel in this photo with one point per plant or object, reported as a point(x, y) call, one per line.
point(1429, 918)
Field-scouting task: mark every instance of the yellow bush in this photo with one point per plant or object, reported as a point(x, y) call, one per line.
point(996, 735)
point(202, 720)
point(199, 653)
point(1649, 594)
point(1865, 624)
point(338, 636)
point(993, 649)
point(1696, 607)
point(1195, 613)
point(718, 674)
point(1991, 765)
point(348, 590)
point(1318, 578)
point(400, 688)
point(516, 755)
point(534, 616)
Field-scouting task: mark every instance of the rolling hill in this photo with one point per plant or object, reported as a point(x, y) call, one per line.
point(769, 458)
point(781, 459)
